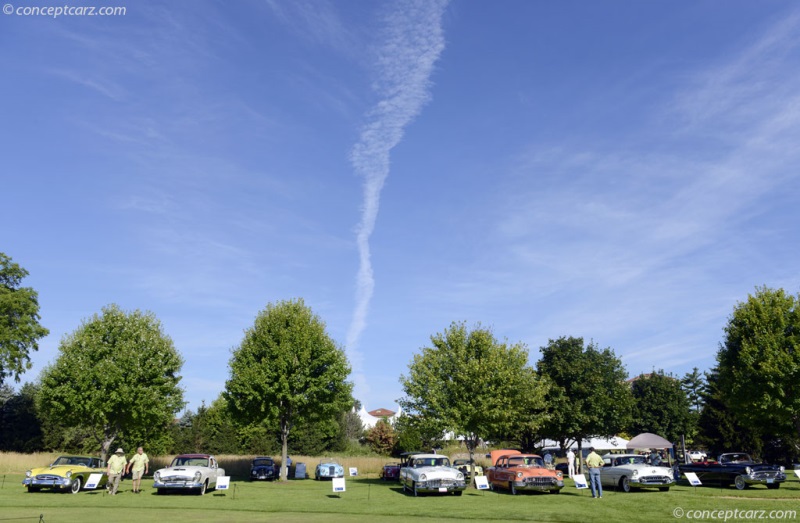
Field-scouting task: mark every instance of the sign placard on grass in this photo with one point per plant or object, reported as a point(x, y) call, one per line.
point(481, 482)
point(223, 482)
point(580, 481)
point(693, 479)
point(338, 484)
point(354, 471)
point(93, 480)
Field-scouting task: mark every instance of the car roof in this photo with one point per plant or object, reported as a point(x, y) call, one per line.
point(194, 456)
point(437, 456)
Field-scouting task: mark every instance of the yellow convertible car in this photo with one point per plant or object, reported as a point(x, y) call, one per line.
point(67, 473)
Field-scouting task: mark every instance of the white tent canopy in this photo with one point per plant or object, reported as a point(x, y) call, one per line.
point(648, 440)
point(612, 443)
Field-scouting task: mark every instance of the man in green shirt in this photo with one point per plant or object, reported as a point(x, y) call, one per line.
point(595, 463)
point(115, 468)
point(140, 464)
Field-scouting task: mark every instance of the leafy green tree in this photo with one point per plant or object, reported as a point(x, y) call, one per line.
point(473, 385)
point(759, 364)
point(589, 396)
point(415, 433)
point(21, 428)
point(116, 376)
point(381, 438)
point(661, 407)
point(20, 330)
point(288, 371)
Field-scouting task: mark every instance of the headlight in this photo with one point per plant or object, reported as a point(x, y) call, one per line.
point(459, 476)
point(635, 474)
point(519, 474)
point(157, 476)
point(423, 477)
point(68, 474)
point(27, 473)
point(197, 476)
point(783, 469)
point(559, 474)
point(748, 470)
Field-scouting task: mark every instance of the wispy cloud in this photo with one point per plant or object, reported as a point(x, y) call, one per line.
point(414, 41)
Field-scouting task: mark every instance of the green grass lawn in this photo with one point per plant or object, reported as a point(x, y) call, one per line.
point(369, 499)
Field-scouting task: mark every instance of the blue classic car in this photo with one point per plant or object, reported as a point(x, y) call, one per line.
point(263, 467)
point(328, 469)
point(737, 468)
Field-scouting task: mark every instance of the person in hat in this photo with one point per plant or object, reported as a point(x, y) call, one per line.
point(115, 469)
point(595, 463)
point(140, 465)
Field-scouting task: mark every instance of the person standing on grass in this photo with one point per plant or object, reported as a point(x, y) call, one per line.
point(595, 463)
point(115, 468)
point(570, 463)
point(140, 465)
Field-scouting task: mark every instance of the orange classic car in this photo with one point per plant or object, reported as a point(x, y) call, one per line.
point(518, 472)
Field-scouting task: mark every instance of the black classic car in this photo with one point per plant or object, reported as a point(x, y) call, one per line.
point(263, 467)
point(737, 468)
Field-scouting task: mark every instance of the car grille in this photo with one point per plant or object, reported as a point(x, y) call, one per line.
point(48, 477)
point(765, 474)
point(541, 481)
point(663, 480)
point(175, 479)
point(439, 483)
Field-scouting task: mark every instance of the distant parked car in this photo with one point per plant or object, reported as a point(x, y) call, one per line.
point(431, 473)
point(328, 469)
point(390, 471)
point(696, 455)
point(192, 472)
point(737, 468)
point(465, 466)
point(631, 471)
point(263, 467)
point(66, 473)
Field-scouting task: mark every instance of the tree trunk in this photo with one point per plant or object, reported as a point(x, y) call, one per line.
point(471, 442)
point(284, 451)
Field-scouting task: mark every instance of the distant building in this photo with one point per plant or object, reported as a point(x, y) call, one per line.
point(369, 419)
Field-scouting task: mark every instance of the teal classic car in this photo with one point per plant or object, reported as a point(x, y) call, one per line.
point(67, 474)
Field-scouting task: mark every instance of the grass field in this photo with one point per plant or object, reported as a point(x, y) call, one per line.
point(369, 499)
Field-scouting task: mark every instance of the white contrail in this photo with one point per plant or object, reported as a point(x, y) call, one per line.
point(414, 41)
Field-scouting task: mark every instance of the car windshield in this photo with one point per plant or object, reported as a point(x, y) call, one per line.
point(526, 461)
point(630, 460)
point(734, 458)
point(262, 462)
point(73, 460)
point(183, 461)
point(431, 462)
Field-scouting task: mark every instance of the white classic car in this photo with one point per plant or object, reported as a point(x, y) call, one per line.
point(431, 473)
point(628, 471)
point(197, 472)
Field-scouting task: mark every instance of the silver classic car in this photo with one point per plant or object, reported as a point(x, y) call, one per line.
point(193, 472)
point(629, 471)
point(431, 473)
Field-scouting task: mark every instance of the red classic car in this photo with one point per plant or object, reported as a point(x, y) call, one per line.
point(517, 472)
point(390, 471)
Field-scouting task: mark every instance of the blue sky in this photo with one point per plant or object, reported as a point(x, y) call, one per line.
point(623, 171)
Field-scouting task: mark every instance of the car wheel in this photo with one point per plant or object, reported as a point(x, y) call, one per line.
point(203, 488)
point(458, 492)
point(555, 492)
point(773, 486)
point(33, 489)
point(512, 488)
point(414, 488)
point(625, 484)
point(161, 491)
point(76, 486)
point(663, 489)
point(739, 483)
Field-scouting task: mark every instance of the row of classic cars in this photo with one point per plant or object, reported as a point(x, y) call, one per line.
point(428, 473)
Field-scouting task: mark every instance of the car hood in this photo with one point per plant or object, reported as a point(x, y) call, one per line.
point(60, 470)
point(645, 469)
point(188, 471)
point(437, 472)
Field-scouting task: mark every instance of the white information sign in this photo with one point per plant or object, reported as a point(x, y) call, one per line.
point(93, 480)
point(693, 479)
point(580, 481)
point(338, 484)
point(223, 482)
point(481, 482)
point(797, 473)
point(354, 471)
